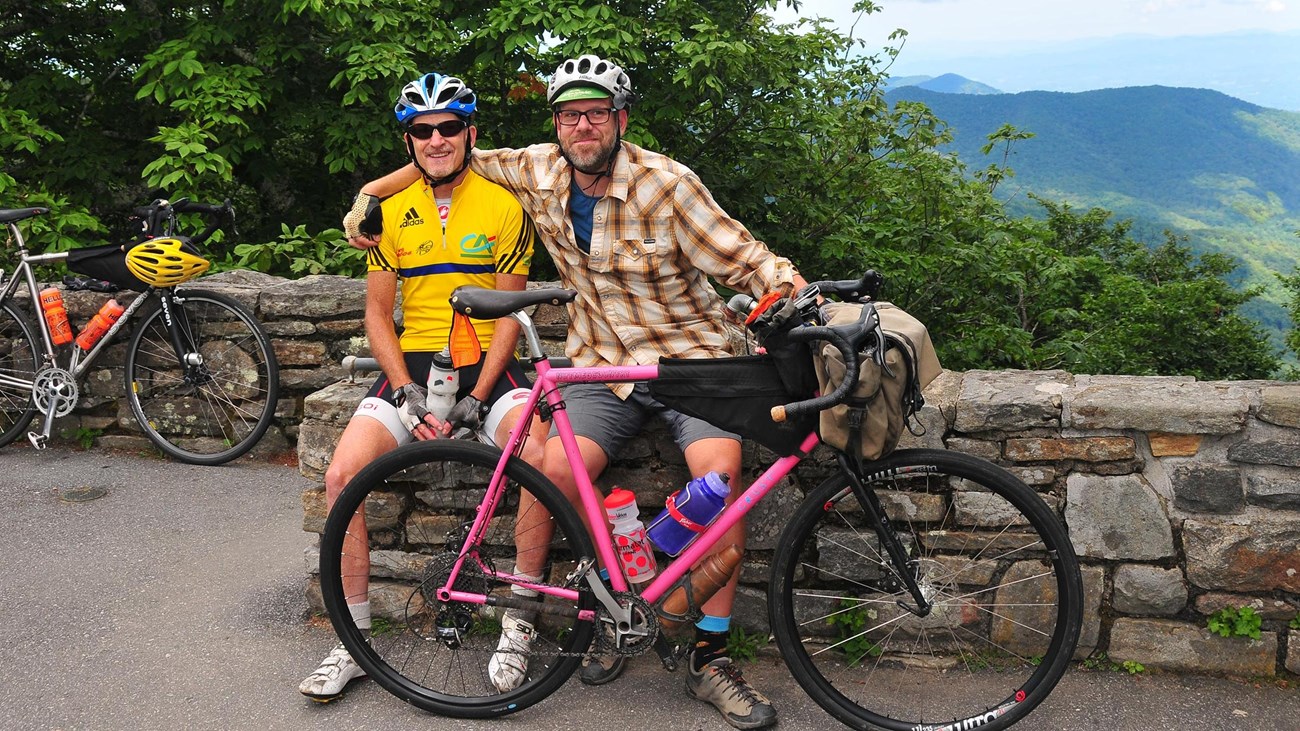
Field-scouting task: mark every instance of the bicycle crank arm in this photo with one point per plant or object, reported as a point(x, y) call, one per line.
point(42, 440)
point(622, 615)
point(670, 656)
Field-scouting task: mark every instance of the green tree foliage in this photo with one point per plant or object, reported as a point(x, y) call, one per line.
point(285, 107)
point(1148, 311)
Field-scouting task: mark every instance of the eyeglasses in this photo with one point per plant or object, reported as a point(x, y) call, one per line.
point(447, 129)
point(570, 117)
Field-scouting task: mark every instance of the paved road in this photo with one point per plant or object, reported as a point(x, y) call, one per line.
point(175, 602)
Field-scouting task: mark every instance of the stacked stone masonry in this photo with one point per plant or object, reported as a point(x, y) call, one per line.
point(1182, 497)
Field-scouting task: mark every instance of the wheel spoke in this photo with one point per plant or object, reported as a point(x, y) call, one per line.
point(18, 366)
point(217, 406)
point(421, 504)
point(995, 568)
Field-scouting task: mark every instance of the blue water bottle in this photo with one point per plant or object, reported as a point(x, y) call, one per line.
point(688, 512)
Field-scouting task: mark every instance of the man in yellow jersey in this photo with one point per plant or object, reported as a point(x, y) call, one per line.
point(638, 235)
point(448, 228)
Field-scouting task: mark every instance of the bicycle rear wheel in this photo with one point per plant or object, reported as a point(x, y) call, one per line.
point(18, 363)
point(217, 407)
point(418, 504)
point(987, 552)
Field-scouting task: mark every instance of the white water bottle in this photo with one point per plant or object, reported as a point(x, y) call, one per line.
point(634, 553)
point(444, 382)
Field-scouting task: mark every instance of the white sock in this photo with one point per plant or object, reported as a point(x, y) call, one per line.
point(361, 615)
point(523, 593)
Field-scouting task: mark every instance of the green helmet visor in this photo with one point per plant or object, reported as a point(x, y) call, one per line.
point(577, 93)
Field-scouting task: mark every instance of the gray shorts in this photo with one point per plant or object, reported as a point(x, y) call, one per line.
point(599, 415)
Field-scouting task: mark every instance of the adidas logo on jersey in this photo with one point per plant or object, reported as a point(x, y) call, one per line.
point(411, 218)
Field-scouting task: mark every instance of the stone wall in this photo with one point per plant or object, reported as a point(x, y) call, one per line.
point(1181, 497)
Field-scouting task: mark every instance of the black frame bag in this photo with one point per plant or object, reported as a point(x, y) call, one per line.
point(736, 394)
point(106, 262)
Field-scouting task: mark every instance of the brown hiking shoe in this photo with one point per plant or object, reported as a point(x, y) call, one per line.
point(720, 683)
point(599, 669)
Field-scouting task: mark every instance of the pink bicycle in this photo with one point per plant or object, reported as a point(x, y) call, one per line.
point(925, 590)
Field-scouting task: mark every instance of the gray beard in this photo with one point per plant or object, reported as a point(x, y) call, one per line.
point(600, 164)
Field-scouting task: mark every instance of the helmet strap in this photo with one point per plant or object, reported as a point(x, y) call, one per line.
point(608, 172)
point(432, 181)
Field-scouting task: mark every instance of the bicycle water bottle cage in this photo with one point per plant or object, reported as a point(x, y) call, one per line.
point(693, 611)
point(546, 411)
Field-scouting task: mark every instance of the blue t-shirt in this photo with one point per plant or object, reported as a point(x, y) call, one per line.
point(581, 207)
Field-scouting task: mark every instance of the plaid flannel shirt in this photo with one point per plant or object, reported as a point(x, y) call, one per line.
point(657, 235)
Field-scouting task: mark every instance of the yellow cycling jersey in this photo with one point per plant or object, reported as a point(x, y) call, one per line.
point(487, 233)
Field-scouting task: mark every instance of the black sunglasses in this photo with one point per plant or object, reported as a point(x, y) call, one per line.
point(447, 129)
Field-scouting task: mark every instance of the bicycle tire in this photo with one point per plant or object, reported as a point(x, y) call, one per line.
point(422, 498)
point(990, 555)
point(216, 412)
point(18, 359)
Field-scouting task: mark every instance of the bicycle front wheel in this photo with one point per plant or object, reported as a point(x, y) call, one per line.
point(990, 557)
point(213, 400)
point(18, 362)
point(394, 537)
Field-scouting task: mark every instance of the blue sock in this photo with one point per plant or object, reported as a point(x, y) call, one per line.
point(710, 623)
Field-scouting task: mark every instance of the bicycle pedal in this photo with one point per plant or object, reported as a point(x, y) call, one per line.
point(39, 441)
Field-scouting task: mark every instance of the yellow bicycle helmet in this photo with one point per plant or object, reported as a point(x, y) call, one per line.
point(165, 262)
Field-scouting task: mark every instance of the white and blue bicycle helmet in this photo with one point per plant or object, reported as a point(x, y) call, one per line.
point(434, 92)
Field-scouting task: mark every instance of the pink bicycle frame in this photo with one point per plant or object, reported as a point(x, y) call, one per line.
point(547, 384)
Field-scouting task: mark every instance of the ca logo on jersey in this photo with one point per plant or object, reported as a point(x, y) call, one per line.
point(411, 218)
point(477, 246)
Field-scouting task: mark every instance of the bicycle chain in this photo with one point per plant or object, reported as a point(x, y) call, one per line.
point(643, 617)
point(472, 578)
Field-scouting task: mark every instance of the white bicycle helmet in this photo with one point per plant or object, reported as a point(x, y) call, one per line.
point(434, 93)
point(590, 72)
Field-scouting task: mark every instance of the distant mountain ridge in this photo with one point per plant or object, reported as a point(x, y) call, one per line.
point(1220, 170)
point(946, 84)
point(1255, 66)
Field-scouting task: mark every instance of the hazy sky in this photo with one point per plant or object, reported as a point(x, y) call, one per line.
point(959, 26)
point(1019, 45)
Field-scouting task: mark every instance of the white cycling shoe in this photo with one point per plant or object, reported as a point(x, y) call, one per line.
point(335, 672)
point(509, 664)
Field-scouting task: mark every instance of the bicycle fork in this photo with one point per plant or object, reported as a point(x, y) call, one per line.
point(904, 567)
point(182, 338)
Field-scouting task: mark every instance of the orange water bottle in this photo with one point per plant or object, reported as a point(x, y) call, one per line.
point(56, 316)
point(99, 324)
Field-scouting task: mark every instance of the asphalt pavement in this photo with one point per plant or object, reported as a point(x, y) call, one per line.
point(174, 600)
